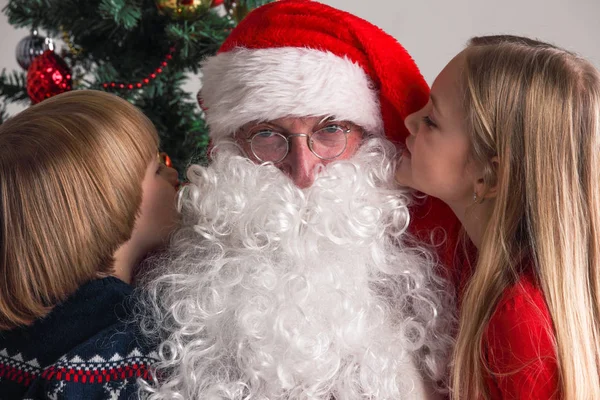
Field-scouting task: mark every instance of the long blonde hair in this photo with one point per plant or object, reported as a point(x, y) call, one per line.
point(537, 108)
point(71, 170)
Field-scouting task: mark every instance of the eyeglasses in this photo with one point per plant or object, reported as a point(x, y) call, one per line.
point(327, 143)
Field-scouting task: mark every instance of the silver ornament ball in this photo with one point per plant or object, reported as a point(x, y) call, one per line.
point(32, 46)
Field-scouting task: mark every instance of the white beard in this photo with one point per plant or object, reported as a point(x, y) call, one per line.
point(274, 292)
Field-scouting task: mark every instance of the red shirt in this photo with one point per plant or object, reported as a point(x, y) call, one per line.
point(518, 345)
point(518, 342)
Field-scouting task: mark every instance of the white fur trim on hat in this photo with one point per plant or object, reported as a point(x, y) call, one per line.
point(246, 85)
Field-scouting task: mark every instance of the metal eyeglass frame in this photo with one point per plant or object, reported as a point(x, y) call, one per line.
point(308, 140)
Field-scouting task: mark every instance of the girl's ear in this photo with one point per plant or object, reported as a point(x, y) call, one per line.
point(488, 190)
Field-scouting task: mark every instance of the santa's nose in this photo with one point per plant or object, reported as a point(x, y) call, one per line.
point(300, 163)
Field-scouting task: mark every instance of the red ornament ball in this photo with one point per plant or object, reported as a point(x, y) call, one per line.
point(47, 76)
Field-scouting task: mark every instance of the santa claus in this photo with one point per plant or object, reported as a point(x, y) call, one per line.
point(294, 275)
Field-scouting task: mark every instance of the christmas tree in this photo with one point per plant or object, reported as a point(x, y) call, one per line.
point(141, 50)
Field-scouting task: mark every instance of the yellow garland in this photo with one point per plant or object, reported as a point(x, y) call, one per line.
point(67, 39)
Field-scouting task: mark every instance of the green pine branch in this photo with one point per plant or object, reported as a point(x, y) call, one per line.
point(251, 4)
point(195, 40)
point(13, 87)
point(122, 12)
point(3, 114)
point(26, 13)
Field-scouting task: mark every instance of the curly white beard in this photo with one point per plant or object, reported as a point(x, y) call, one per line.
point(273, 292)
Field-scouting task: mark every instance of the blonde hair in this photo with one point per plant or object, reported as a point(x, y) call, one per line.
point(537, 108)
point(71, 170)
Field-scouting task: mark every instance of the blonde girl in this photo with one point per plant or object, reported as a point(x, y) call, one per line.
point(510, 140)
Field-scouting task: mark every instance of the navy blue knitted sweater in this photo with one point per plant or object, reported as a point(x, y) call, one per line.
point(83, 349)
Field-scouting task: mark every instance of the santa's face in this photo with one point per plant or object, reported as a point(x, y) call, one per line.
point(311, 142)
point(277, 292)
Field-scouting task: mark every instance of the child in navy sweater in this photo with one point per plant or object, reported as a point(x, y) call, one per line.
point(84, 197)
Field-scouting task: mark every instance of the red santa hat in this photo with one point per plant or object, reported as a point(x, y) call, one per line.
point(303, 58)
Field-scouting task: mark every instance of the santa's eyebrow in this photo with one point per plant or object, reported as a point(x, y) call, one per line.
point(273, 125)
point(266, 124)
point(327, 118)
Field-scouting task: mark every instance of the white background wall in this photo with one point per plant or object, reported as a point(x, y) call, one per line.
point(433, 31)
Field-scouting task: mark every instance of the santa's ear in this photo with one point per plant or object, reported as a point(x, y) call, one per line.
point(486, 185)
